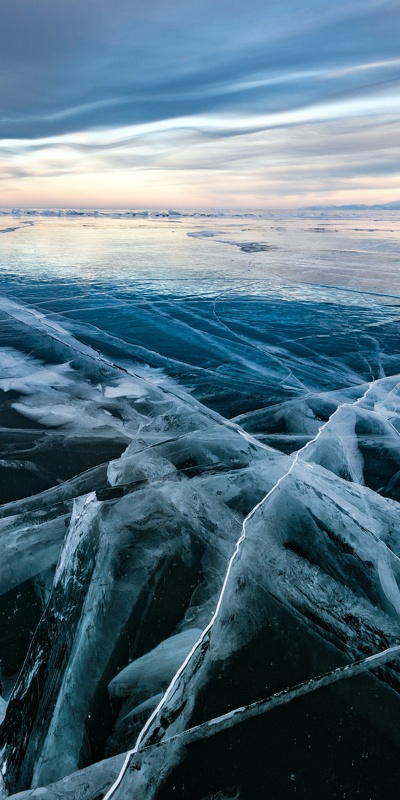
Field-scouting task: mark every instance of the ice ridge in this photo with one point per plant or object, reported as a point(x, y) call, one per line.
point(198, 644)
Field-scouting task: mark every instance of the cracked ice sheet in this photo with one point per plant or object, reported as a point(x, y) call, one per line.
point(385, 579)
point(190, 504)
point(260, 354)
point(384, 592)
point(205, 343)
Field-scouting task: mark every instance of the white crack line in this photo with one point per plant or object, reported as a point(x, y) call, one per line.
point(208, 627)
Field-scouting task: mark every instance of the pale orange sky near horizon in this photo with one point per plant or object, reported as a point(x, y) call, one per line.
point(177, 167)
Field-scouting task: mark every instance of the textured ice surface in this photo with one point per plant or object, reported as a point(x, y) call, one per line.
point(155, 669)
point(88, 784)
point(200, 511)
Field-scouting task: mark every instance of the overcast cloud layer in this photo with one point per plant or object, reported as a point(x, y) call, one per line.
point(117, 96)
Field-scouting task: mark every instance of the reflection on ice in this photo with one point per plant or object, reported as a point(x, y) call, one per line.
point(201, 546)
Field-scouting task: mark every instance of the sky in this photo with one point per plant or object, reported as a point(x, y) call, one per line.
point(199, 103)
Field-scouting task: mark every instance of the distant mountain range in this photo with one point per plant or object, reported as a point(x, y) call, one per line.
point(395, 206)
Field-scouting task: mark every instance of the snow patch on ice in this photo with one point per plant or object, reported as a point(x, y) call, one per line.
point(26, 374)
point(125, 388)
point(50, 416)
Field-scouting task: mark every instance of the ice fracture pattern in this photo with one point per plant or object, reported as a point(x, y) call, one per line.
point(200, 486)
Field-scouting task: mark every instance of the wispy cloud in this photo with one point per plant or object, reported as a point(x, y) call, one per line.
point(95, 88)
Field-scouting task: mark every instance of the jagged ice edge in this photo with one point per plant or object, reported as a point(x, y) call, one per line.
point(208, 627)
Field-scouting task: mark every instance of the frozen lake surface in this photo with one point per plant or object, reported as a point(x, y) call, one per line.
point(200, 486)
